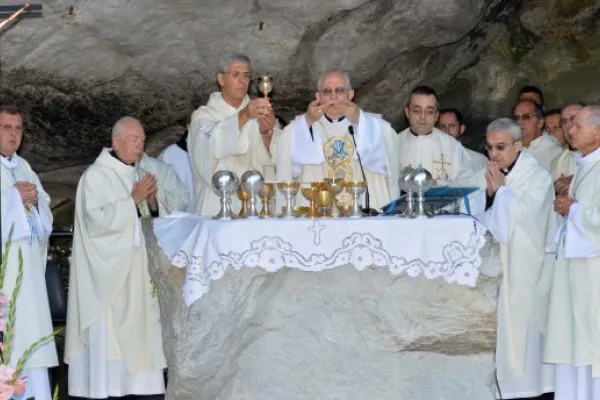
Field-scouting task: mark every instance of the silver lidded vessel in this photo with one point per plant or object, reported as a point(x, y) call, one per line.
point(224, 183)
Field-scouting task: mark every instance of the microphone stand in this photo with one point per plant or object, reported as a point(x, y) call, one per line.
point(367, 210)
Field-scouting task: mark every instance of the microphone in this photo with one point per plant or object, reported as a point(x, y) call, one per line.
point(367, 210)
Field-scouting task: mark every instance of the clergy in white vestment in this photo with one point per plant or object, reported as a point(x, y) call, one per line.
point(530, 117)
point(333, 137)
point(452, 123)
point(553, 127)
point(176, 155)
point(231, 132)
point(573, 341)
point(26, 208)
point(113, 342)
point(518, 202)
point(423, 144)
point(565, 165)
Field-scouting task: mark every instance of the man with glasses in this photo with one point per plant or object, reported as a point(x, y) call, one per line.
point(565, 165)
point(552, 125)
point(530, 117)
point(573, 338)
point(518, 201)
point(423, 144)
point(334, 137)
point(230, 132)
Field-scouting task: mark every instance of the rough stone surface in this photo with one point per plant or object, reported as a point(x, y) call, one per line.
point(75, 75)
point(338, 334)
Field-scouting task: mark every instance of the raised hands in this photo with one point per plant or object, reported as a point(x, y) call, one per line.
point(494, 178)
point(28, 192)
point(146, 189)
point(346, 108)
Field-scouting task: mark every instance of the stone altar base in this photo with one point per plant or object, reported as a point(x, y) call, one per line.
point(338, 334)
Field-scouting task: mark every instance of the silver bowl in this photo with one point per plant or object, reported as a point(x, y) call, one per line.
point(225, 183)
point(420, 180)
point(252, 181)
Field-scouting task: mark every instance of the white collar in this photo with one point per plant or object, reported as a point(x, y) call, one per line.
point(590, 158)
point(11, 162)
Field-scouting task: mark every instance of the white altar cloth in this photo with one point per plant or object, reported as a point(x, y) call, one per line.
point(444, 247)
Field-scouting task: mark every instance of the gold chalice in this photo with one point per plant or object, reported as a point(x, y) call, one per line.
point(310, 193)
point(265, 85)
point(324, 201)
point(300, 211)
point(266, 193)
point(335, 185)
point(244, 196)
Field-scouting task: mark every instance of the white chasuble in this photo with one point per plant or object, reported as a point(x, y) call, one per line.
point(440, 154)
point(518, 219)
point(479, 160)
point(113, 324)
point(545, 149)
point(573, 341)
point(216, 142)
point(565, 164)
point(308, 157)
point(179, 161)
point(32, 225)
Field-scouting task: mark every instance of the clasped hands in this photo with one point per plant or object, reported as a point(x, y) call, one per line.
point(260, 108)
point(562, 184)
point(146, 189)
point(563, 203)
point(494, 178)
point(28, 192)
point(346, 108)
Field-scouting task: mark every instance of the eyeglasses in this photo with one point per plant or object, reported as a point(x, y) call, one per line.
point(237, 74)
point(336, 90)
point(524, 117)
point(429, 112)
point(498, 146)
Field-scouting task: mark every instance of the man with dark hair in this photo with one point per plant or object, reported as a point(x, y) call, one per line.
point(423, 144)
point(26, 209)
point(530, 117)
point(552, 118)
point(532, 93)
point(451, 122)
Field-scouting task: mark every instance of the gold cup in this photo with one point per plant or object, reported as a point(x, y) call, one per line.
point(265, 85)
point(325, 199)
point(289, 189)
point(310, 193)
point(244, 196)
point(266, 193)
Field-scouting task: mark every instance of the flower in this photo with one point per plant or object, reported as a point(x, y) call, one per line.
point(6, 373)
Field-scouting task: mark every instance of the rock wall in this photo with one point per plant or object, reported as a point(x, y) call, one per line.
point(335, 334)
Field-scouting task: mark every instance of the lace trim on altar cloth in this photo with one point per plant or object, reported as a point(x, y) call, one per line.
point(459, 265)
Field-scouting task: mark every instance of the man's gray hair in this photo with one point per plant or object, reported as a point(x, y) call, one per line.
point(119, 126)
point(505, 125)
point(593, 117)
point(335, 71)
point(233, 58)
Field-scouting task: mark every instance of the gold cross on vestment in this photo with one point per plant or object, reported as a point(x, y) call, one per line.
point(443, 163)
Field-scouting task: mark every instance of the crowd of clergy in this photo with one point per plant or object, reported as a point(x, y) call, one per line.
point(539, 198)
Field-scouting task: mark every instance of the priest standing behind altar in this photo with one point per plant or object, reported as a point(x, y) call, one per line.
point(328, 140)
point(423, 144)
point(573, 341)
point(26, 208)
point(113, 343)
point(230, 132)
point(452, 123)
point(518, 202)
point(530, 117)
point(565, 165)
point(176, 156)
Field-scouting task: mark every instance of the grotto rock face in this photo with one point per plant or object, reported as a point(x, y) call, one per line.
point(335, 334)
point(75, 75)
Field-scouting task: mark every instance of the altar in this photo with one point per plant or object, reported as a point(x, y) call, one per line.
point(374, 308)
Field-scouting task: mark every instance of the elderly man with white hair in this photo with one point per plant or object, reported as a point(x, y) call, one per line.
point(334, 138)
point(518, 201)
point(573, 341)
point(114, 343)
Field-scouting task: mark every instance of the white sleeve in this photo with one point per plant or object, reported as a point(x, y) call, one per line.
point(497, 217)
point(13, 215)
point(370, 144)
point(577, 242)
